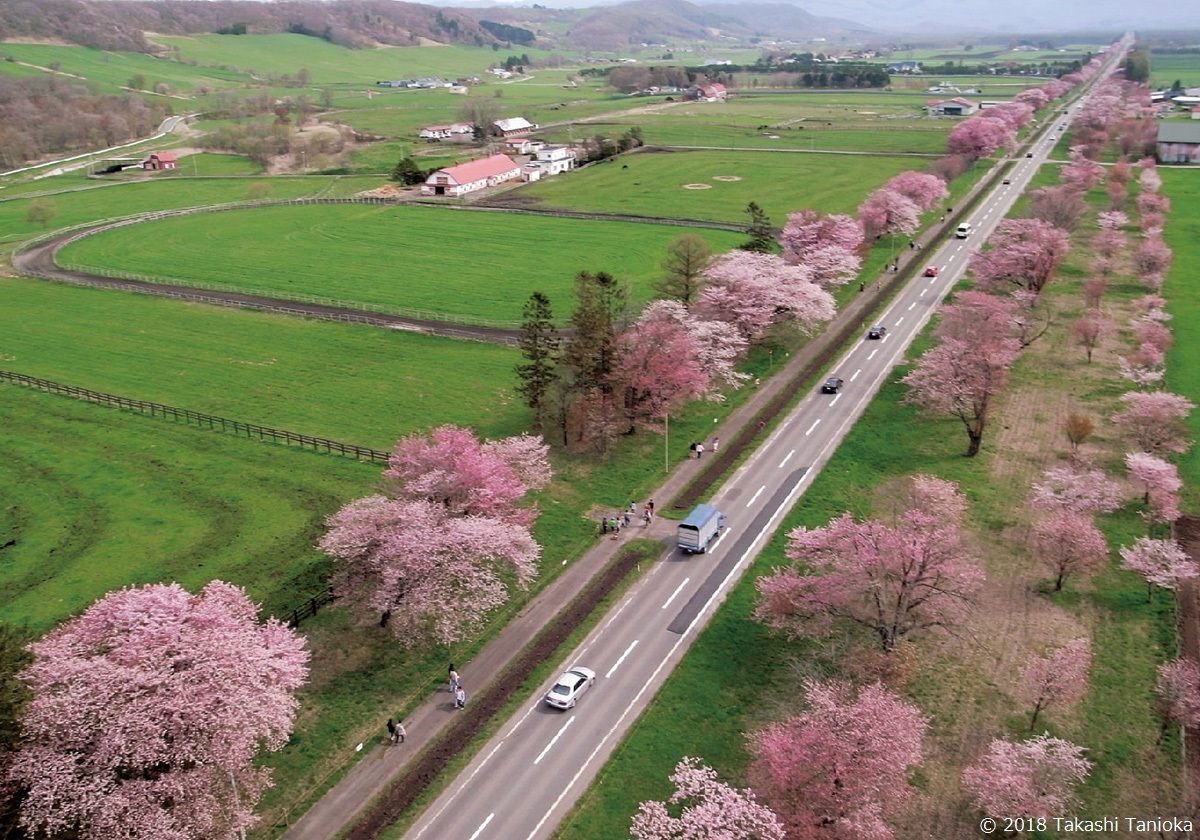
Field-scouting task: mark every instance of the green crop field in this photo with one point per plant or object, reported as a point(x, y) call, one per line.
point(356, 384)
point(113, 70)
point(1167, 69)
point(328, 63)
point(1182, 290)
point(458, 263)
point(654, 184)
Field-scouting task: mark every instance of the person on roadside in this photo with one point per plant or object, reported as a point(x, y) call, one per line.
point(454, 680)
point(460, 698)
point(399, 733)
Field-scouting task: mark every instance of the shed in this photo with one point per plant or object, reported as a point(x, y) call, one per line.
point(159, 160)
point(1179, 141)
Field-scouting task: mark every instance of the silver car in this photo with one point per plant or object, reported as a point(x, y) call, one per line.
point(570, 687)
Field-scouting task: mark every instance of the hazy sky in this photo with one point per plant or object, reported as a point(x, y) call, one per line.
point(1012, 15)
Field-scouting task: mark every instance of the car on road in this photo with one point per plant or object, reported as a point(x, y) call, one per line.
point(876, 332)
point(570, 687)
point(1029, 154)
point(931, 271)
point(832, 385)
point(963, 231)
point(1007, 181)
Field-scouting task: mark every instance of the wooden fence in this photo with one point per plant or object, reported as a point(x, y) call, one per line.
point(309, 608)
point(249, 430)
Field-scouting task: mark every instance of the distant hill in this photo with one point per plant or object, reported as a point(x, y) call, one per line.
point(619, 25)
point(121, 24)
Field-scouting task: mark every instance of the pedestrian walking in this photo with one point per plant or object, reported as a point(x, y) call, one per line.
point(454, 681)
point(626, 519)
point(692, 448)
point(391, 724)
point(604, 525)
point(650, 504)
point(699, 450)
point(716, 444)
point(400, 733)
point(862, 287)
point(911, 244)
point(632, 508)
point(460, 698)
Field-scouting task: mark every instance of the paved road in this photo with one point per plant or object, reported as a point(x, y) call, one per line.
point(529, 775)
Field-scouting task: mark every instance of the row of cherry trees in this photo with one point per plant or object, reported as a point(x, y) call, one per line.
point(840, 768)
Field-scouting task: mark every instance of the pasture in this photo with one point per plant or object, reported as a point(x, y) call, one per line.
point(448, 261)
point(1166, 69)
point(1182, 290)
point(113, 70)
point(654, 184)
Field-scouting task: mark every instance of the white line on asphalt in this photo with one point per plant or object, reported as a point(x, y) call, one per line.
point(835, 399)
point(911, 305)
point(673, 594)
point(553, 741)
point(628, 651)
point(899, 320)
point(923, 291)
point(871, 355)
point(485, 822)
point(813, 426)
point(856, 373)
point(785, 460)
point(757, 493)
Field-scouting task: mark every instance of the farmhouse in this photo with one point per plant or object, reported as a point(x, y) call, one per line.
point(904, 67)
point(159, 160)
point(456, 181)
point(956, 107)
point(522, 145)
point(549, 160)
point(1179, 142)
point(713, 92)
point(513, 126)
point(446, 132)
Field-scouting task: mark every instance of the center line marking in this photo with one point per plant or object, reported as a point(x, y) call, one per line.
point(856, 373)
point(872, 354)
point(835, 399)
point(485, 822)
point(785, 460)
point(628, 651)
point(899, 320)
point(542, 754)
point(676, 592)
point(757, 493)
point(813, 426)
point(911, 305)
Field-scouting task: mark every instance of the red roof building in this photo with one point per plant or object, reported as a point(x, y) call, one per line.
point(159, 160)
point(456, 181)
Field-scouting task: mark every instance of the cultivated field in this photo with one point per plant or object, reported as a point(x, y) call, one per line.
point(113, 70)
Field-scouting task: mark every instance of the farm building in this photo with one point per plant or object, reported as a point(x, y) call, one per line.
point(457, 181)
point(904, 67)
point(956, 107)
point(713, 92)
point(522, 145)
point(1179, 142)
point(513, 126)
point(159, 160)
point(446, 132)
point(549, 160)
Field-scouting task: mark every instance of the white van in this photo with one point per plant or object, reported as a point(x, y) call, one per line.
point(964, 230)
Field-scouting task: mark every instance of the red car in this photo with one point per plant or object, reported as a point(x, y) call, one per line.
point(932, 271)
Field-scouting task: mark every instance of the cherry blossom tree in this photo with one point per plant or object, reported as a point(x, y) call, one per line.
point(1161, 562)
point(1058, 678)
point(1078, 490)
point(1093, 290)
point(1024, 253)
point(890, 577)
point(708, 809)
point(1150, 181)
point(658, 369)
point(1035, 778)
point(960, 378)
point(826, 245)
point(432, 577)
point(1153, 202)
point(1081, 174)
point(950, 167)
point(1090, 330)
point(1111, 219)
point(148, 711)
point(718, 344)
point(1108, 243)
point(838, 770)
point(1152, 331)
point(1153, 421)
point(1061, 206)
point(754, 291)
point(921, 188)
point(1159, 483)
point(468, 477)
point(978, 136)
point(1151, 257)
point(1178, 690)
point(1068, 543)
point(978, 316)
point(889, 212)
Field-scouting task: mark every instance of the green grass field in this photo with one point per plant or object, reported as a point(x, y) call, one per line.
point(1167, 69)
point(359, 385)
point(1182, 234)
point(654, 183)
point(113, 70)
point(458, 263)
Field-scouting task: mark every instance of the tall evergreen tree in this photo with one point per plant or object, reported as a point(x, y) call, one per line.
point(759, 230)
point(540, 347)
point(407, 172)
point(599, 316)
point(688, 256)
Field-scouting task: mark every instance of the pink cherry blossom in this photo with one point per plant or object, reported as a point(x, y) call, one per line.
point(1035, 778)
point(708, 809)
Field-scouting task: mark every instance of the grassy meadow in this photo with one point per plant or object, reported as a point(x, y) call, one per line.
point(432, 259)
point(1182, 234)
point(112, 71)
point(653, 184)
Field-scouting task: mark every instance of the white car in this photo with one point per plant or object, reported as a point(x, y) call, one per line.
point(570, 687)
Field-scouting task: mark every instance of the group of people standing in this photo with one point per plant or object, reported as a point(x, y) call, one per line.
point(614, 524)
point(395, 727)
point(698, 448)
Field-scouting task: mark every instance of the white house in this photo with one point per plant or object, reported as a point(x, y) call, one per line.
point(956, 107)
point(556, 159)
point(514, 125)
point(456, 181)
point(435, 132)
